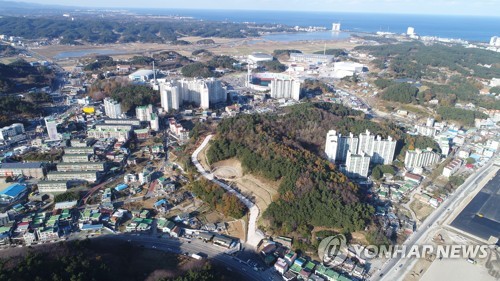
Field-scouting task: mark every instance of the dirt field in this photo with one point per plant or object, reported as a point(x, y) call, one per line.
point(261, 190)
point(237, 229)
point(455, 269)
point(418, 270)
point(421, 210)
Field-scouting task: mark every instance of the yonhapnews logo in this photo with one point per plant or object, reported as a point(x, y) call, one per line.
point(331, 246)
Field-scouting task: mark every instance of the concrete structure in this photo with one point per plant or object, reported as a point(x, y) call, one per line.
point(143, 113)
point(81, 166)
point(200, 92)
point(120, 135)
point(13, 193)
point(380, 151)
point(452, 167)
point(383, 150)
point(346, 68)
point(90, 176)
point(33, 169)
point(420, 158)
point(337, 146)
point(180, 132)
point(336, 26)
point(426, 131)
point(154, 122)
point(141, 75)
point(311, 58)
point(75, 158)
point(52, 186)
point(51, 125)
point(9, 133)
point(132, 122)
point(75, 143)
point(281, 266)
point(79, 150)
point(112, 108)
point(495, 41)
point(444, 145)
point(259, 57)
point(281, 85)
point(114, 126)
point(357, 165)
point(410, 31)
point(4, 219)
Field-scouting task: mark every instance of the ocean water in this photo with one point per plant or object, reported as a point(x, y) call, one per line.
point(471, 28)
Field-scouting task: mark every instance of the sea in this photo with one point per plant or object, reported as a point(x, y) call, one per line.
point(470, 28)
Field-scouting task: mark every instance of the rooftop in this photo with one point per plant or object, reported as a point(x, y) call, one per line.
point(29, 165)
point(13, 190)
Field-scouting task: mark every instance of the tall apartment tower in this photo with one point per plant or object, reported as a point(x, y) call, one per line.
point(170, 96)
point(357, 165)
point(51, 125)
point(383, 150)
point(200, 92)
point(143, 113)
point(331, 145)
point(336, 26)
point(410, 31)
point(420, 158)
point(287, 88)
point(112, 108)
point(366, 141)
point(337, 146)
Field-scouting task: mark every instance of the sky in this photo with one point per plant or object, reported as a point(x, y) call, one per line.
point(442, 7)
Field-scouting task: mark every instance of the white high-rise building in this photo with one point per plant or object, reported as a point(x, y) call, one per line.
point(357, 165)
point(366, 141)
point(495, 41)
point(336, 26)
point(200, 92)
point(383, 150)
point(430, 122)
point(331, 145)
point(143, 113)
point(337, 146)
point(51, 125)
point(112, 108)
point(420, 158)
point(170, 96)
point(288, 88)
point(154, 122)
point(410, 31)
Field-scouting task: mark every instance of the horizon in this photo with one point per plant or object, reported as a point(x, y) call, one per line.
point(482, 8)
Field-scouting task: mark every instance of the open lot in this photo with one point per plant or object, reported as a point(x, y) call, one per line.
point(261, 190)
point(456, 269)
point(421, 210)
point(237, 229)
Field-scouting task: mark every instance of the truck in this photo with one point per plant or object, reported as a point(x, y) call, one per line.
point(196, 256)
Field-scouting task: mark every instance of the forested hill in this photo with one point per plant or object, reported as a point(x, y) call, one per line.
point(313, 192)
point(290, 147)
point(414, 59)
point(96, 30)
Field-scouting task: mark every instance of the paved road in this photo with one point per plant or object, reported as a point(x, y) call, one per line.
point(254, 236)
point(393, 269)
point(213, 252)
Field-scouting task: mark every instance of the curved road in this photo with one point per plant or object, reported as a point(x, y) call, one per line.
point(253, 236)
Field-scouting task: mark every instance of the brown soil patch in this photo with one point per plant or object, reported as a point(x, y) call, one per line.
point(421, 210)
point(237, 229)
